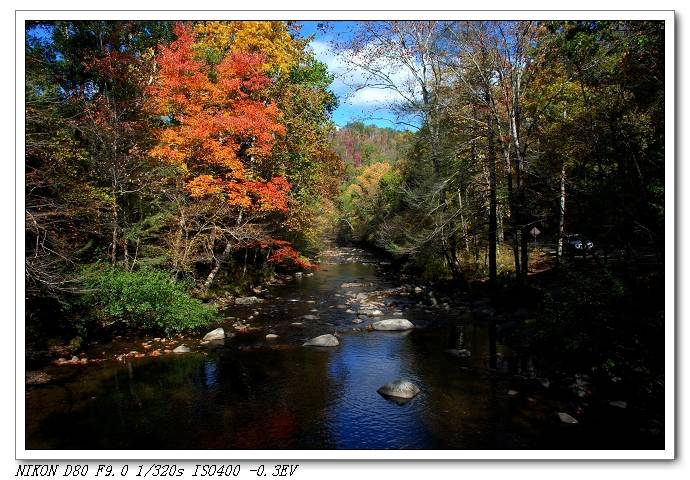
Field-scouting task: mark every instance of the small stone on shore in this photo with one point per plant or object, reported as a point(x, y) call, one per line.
point(217, 334)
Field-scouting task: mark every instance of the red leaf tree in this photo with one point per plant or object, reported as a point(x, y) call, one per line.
point(217, 121)
point(219, 126)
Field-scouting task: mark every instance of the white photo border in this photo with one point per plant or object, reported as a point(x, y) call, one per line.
point(668, 16)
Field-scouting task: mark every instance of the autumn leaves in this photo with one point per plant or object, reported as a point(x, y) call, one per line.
point(219, 120)
point(215, 88)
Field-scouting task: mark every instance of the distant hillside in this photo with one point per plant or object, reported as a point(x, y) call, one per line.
point(361, 145)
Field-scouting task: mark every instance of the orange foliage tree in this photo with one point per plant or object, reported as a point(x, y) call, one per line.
point(216, 121)
point(218, 128)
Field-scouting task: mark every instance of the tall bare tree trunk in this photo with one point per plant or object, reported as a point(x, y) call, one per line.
point(125, 251)
point(521, 220)
point(463, 223)
point(561, 216)
point(491, 157)
point(113, 253)
point(216, 268)
point(513, 211)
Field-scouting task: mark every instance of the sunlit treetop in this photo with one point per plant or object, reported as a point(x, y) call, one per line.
point(217, 122)
point(270, 38)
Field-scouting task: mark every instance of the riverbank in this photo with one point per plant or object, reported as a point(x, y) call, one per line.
point(260, 359)
point(249, 315)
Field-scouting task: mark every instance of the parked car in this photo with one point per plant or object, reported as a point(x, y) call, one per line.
point(577, 243)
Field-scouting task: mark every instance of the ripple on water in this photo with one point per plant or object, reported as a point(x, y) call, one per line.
point(294, 397)
point(358, 417)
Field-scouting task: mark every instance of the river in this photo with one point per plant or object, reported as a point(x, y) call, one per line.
point(255, 393)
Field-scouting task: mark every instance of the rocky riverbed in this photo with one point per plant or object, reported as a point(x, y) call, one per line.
point(300, 363)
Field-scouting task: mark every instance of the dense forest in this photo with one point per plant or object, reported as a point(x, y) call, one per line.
point(551, 125)
point(170, 163)
point(163, 159)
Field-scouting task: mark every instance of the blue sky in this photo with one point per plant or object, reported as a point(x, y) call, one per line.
point(368, 105)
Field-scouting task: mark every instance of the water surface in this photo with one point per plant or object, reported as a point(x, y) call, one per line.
point(258, 394)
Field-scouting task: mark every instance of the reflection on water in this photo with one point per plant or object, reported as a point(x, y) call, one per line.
point(358, 417)
point(286, 396)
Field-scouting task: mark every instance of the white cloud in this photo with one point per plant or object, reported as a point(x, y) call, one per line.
point(370, 96)
point(353, 84)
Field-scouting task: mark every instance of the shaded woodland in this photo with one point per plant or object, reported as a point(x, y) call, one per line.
point(169, 163)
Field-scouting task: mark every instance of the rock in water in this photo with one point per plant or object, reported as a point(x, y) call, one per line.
point(392, 324)
point(310, 317)
point(182, 349)
point(217, 334)
point(619, 404)
point(565, 418)
point(247, 300)
point(327, 340)
point(271, 336)
point(462, 353)
point(399, 389)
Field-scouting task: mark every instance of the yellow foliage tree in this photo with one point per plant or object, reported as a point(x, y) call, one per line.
point(270, 38)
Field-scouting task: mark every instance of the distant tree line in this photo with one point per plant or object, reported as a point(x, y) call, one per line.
point(555, 125)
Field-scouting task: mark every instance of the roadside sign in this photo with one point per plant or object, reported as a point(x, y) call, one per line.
point(535, 231)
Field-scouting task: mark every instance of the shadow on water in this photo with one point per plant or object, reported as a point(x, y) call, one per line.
point(282, 395)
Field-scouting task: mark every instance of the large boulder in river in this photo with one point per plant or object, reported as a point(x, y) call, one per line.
point(399, 389)
point(217, 334)
point(393, 324)
point(247, 300)
point(327, 340)
point(566, 418)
